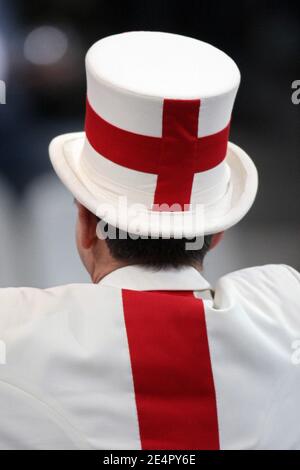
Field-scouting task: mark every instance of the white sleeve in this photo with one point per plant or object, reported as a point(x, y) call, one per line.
point(292, 271)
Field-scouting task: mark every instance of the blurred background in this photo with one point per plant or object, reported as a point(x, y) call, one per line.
point(42, 49)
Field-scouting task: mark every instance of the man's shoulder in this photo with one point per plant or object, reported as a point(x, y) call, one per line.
point(269, 291)
point(23, 305)
point(54, 341)
point(26, 294)
point(268, 281)
point(279, 274)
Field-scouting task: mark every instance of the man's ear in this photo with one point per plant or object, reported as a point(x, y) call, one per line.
point(216, 238)
point(88, 225)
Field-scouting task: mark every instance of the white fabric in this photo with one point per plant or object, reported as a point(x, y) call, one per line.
point(67, 380)
point(252, 327)
point(215, 113)
point(67, 352)
point(116, 180)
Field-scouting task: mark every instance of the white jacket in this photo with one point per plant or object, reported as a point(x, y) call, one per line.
point(138, 361)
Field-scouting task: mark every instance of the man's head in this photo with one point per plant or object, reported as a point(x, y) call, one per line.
point(101, 256)
point(156, 136)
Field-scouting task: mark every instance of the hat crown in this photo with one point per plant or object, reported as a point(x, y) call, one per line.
point(162, 64)
point(129, 74)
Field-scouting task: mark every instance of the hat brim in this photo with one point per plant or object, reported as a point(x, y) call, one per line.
point(66, 152)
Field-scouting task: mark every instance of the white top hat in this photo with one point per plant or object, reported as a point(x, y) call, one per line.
point(155, 158)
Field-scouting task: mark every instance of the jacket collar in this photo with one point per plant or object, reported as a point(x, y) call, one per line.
point(142, 278)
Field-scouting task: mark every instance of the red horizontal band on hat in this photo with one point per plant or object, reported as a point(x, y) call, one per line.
point(175, 157)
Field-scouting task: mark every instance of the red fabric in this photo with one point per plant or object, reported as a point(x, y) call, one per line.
point(174, 157)
point(172, 375)
point(178, 153)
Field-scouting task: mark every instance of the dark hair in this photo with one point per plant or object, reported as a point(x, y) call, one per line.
point(155, 252)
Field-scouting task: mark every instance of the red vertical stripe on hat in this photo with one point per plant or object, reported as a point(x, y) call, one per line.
point(178, 156)
point(172, 375)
